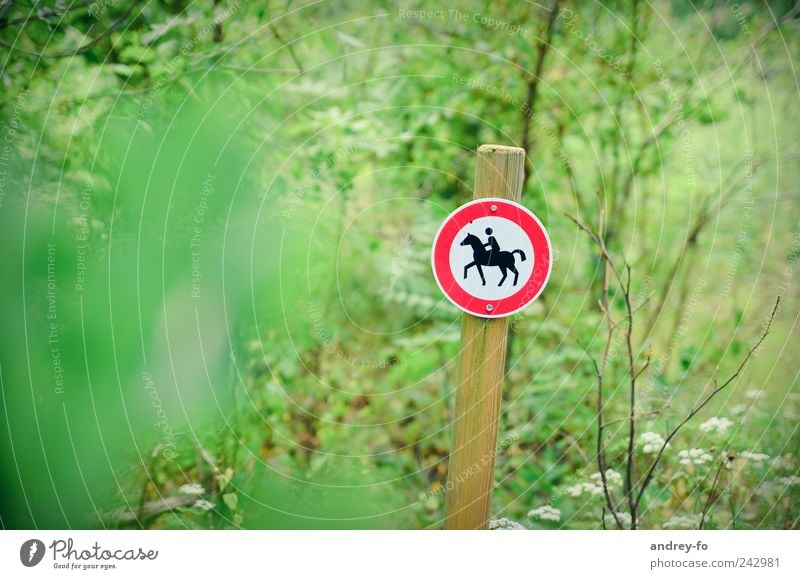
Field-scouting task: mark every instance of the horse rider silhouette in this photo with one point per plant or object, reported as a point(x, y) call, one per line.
point(492, 243)
point(492, 258)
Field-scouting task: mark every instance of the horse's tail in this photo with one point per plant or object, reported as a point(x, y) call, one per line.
point(521, 254)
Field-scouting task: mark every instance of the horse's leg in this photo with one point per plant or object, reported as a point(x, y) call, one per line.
point(469, 265)
point(516, 274)
point(505, 275)
point(480, 271)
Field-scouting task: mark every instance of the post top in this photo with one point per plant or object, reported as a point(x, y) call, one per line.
point(501, 150)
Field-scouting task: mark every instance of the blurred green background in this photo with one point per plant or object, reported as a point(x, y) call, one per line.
point(215, 222)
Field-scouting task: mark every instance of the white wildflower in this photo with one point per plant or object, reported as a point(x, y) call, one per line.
point(595, 490)
point(754, 456)
point(727, 459)
point(592, 488)
point(203, 504)
point(716, 425)
point(192, 489)
point(789, 480)
point(694, 456)
point(545, 513)
point(595, 485)
point(651, 442)
point(768, 490)
point(613, 478)
point(683, 522)
point(754, 394)
point(575, 490)
point(739, 408)
point(785, 462)
point(504, 524)
point(624, 518)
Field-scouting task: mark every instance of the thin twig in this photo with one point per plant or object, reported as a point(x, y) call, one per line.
point(649, 476)
point(629, 463)
point(529, 108)
point(42, 14)
point(600, 370)
point(149, 511)
point(81, 49)
point(711, 494)
point(641, 415)
point(289, 47)
point(633, 498)
point(725, 193)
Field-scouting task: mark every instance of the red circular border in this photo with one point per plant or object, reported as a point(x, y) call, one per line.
point(445, 237)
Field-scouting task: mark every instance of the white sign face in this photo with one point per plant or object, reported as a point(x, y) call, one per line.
point(507, 268)
point(491, 257)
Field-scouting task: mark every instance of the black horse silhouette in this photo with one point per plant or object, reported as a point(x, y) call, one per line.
point(502, 259)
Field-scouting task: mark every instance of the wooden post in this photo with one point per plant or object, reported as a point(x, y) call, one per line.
point(481, 361)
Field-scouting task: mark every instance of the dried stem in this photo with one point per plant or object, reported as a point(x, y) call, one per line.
point(632, 496)
point(649, 476)
point(528, 109)
point(81, 49)
point(711, 494)
point(289, 47)
point(600, 372)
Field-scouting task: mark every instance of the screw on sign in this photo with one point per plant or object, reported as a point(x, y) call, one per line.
point(491, 258)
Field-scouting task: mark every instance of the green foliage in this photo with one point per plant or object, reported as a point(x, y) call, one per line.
point(216, 239)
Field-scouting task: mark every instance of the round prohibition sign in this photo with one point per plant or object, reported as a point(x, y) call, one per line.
point(492, 257)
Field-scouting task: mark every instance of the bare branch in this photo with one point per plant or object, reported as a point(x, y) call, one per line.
point(641, 415)
point(149, 511)
point(529, 108)
point(705, 216)
point(711, 494)
point(600, 368)
point(81, 49)
point(289, 47)
point(717, 389)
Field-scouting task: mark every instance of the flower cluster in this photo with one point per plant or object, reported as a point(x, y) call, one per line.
point(754, 394)
point(192, 489)
point(624, 518)
point(683, 522)
point(739, 408)
point(694, 456)
point(790, 480)
point(651, 442)
point(754, 456)
point(785, 462)
point(203, 505)
point(771, 490)
point(612, 476)
point(595, 485)
point(716, 425)
point(545, 513)
point(504, 524)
